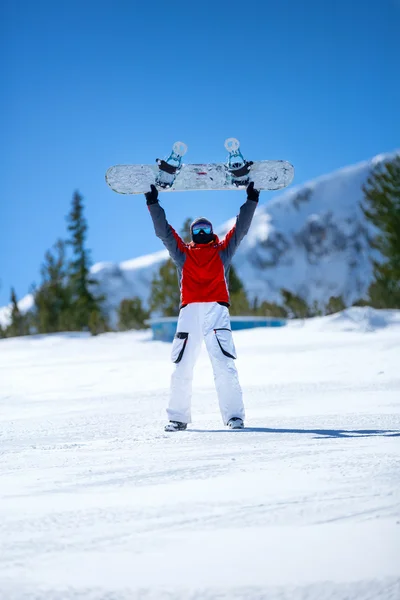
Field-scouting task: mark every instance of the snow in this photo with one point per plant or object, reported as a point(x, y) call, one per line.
point(97, 502)
point(311, 239)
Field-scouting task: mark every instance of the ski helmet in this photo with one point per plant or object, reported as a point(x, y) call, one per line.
point(202, 231)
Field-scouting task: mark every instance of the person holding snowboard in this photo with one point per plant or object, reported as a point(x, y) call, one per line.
point(203, 273)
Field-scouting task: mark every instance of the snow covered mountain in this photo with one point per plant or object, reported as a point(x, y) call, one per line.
point(311, 239)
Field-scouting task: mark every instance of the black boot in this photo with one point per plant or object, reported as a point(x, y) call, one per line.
point(175, 426)
point(235, 423)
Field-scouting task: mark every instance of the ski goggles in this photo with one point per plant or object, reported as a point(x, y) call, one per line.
point(206, 228)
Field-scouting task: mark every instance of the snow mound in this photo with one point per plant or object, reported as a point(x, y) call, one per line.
point(357, 318)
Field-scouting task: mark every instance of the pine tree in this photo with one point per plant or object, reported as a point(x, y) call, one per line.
point(86, 311)
point(268, 309)
point(165, 293)
point(381, 207)
point(296, 307)
point(131, 314)
point(239, 304)
point(97, 322)
point(53, 297)
point(185, 231)
point(19, 323)
point(235, 283)
point(335, 304)
point(238, 298)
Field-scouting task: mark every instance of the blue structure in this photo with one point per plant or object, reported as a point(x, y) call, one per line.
point(164, 328)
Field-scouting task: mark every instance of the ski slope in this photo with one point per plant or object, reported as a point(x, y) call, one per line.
point(97, 502)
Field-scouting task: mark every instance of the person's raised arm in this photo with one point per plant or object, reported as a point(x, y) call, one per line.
point(242, 225)
point(171, 240)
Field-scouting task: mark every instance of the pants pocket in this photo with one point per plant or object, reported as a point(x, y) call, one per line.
point(225, 342)
point(178, 346)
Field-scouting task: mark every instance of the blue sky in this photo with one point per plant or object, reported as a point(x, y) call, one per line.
point(90, 84)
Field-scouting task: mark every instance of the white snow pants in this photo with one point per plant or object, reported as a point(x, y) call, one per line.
point(209, 321)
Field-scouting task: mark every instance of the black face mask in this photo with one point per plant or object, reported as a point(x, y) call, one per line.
point(202, 238)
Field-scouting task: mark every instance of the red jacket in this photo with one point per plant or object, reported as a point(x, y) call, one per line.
point(203, 269)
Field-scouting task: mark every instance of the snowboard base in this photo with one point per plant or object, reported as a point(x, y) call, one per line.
point(136, 179)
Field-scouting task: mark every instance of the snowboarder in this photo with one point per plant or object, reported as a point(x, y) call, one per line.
point(203, 272)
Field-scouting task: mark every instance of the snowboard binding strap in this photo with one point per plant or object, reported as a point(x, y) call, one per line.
point(242, 170)
point(166, 167)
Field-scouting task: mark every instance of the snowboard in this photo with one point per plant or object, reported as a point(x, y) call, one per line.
point(171, 175)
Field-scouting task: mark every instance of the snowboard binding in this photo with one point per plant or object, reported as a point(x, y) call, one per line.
point(170, 167)
point(237, 167)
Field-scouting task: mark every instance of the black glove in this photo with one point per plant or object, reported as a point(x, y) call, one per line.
point(252, 194)
point(152, 196)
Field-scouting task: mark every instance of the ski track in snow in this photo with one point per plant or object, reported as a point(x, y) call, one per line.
point(98, 503)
